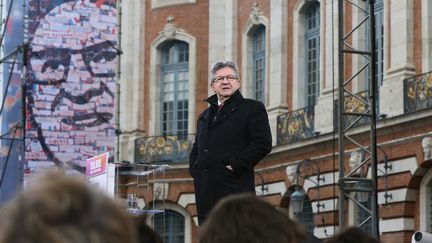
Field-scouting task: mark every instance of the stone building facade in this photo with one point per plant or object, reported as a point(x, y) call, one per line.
point(287, 54)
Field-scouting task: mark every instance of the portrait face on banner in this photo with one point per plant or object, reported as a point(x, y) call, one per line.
point(70, 81)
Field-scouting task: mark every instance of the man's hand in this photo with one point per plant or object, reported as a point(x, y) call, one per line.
point(229, 167)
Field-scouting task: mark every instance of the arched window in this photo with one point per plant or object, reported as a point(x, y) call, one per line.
point(306, 216)
point(259, 48)
point(362, 216)
point(312, 55)
point(379, 48)
point(379, 43)
point(170, 226)
point(426, 202)
point(299, 208)
point(174, 89)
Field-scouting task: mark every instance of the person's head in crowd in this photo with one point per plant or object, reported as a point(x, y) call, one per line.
point(245, 218)
point(352, 235)
point(57, 208)
point(145, 233)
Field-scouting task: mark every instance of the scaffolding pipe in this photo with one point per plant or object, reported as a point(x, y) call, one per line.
point(348, 182)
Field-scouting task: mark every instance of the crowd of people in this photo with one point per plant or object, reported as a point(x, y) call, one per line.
point(63, 209)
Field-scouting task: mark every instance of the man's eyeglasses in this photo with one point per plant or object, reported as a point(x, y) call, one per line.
point(220, 79)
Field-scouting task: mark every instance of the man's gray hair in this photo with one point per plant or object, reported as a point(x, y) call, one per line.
point(221, 64)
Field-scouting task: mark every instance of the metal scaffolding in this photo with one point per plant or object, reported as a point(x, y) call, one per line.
point(11, 66)
point(355, 182)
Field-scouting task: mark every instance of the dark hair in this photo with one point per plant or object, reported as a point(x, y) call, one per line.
point(352, 235)
point(62, 209)
point(245, 218)
point(145, 233)
point(221, 64)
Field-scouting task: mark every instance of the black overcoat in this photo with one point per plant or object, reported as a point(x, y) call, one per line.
point(238, 135)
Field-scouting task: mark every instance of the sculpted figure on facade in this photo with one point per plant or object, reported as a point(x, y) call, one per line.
point(355, 160)
point(291, 172)
point(427, 148)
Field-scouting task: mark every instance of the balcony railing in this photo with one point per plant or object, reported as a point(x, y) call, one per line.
point(163, 149)
point(354, 103)
point(418, 92)
point(295, 126)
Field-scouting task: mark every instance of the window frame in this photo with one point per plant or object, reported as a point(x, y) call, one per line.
point(258, 56)
point(312, 13)
point(425, 199)
point(168, 235)
point(176, 68)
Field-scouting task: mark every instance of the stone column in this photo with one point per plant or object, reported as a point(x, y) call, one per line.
point(231, 30)
point(222, 31)
point(426, 17)
point(329, 67)
point(278, 71)
point(400, 65)
point(131, 82)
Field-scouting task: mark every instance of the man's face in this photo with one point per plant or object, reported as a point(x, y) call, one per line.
point(226, 83)
point(72, 71)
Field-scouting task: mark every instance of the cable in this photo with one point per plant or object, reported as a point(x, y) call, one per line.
point(7, 158)
point(9, 131)
point(118, 77)
point(13, 67)
point(6, 22)
point(7, 85)
point(334, 135)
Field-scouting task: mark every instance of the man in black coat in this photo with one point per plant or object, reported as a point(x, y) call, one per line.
point(233, 135)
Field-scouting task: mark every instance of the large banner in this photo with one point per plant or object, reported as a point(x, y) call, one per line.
point(11, 155)
point(72, 59)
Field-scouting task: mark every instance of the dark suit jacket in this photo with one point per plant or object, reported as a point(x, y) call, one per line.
point(237, 135)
